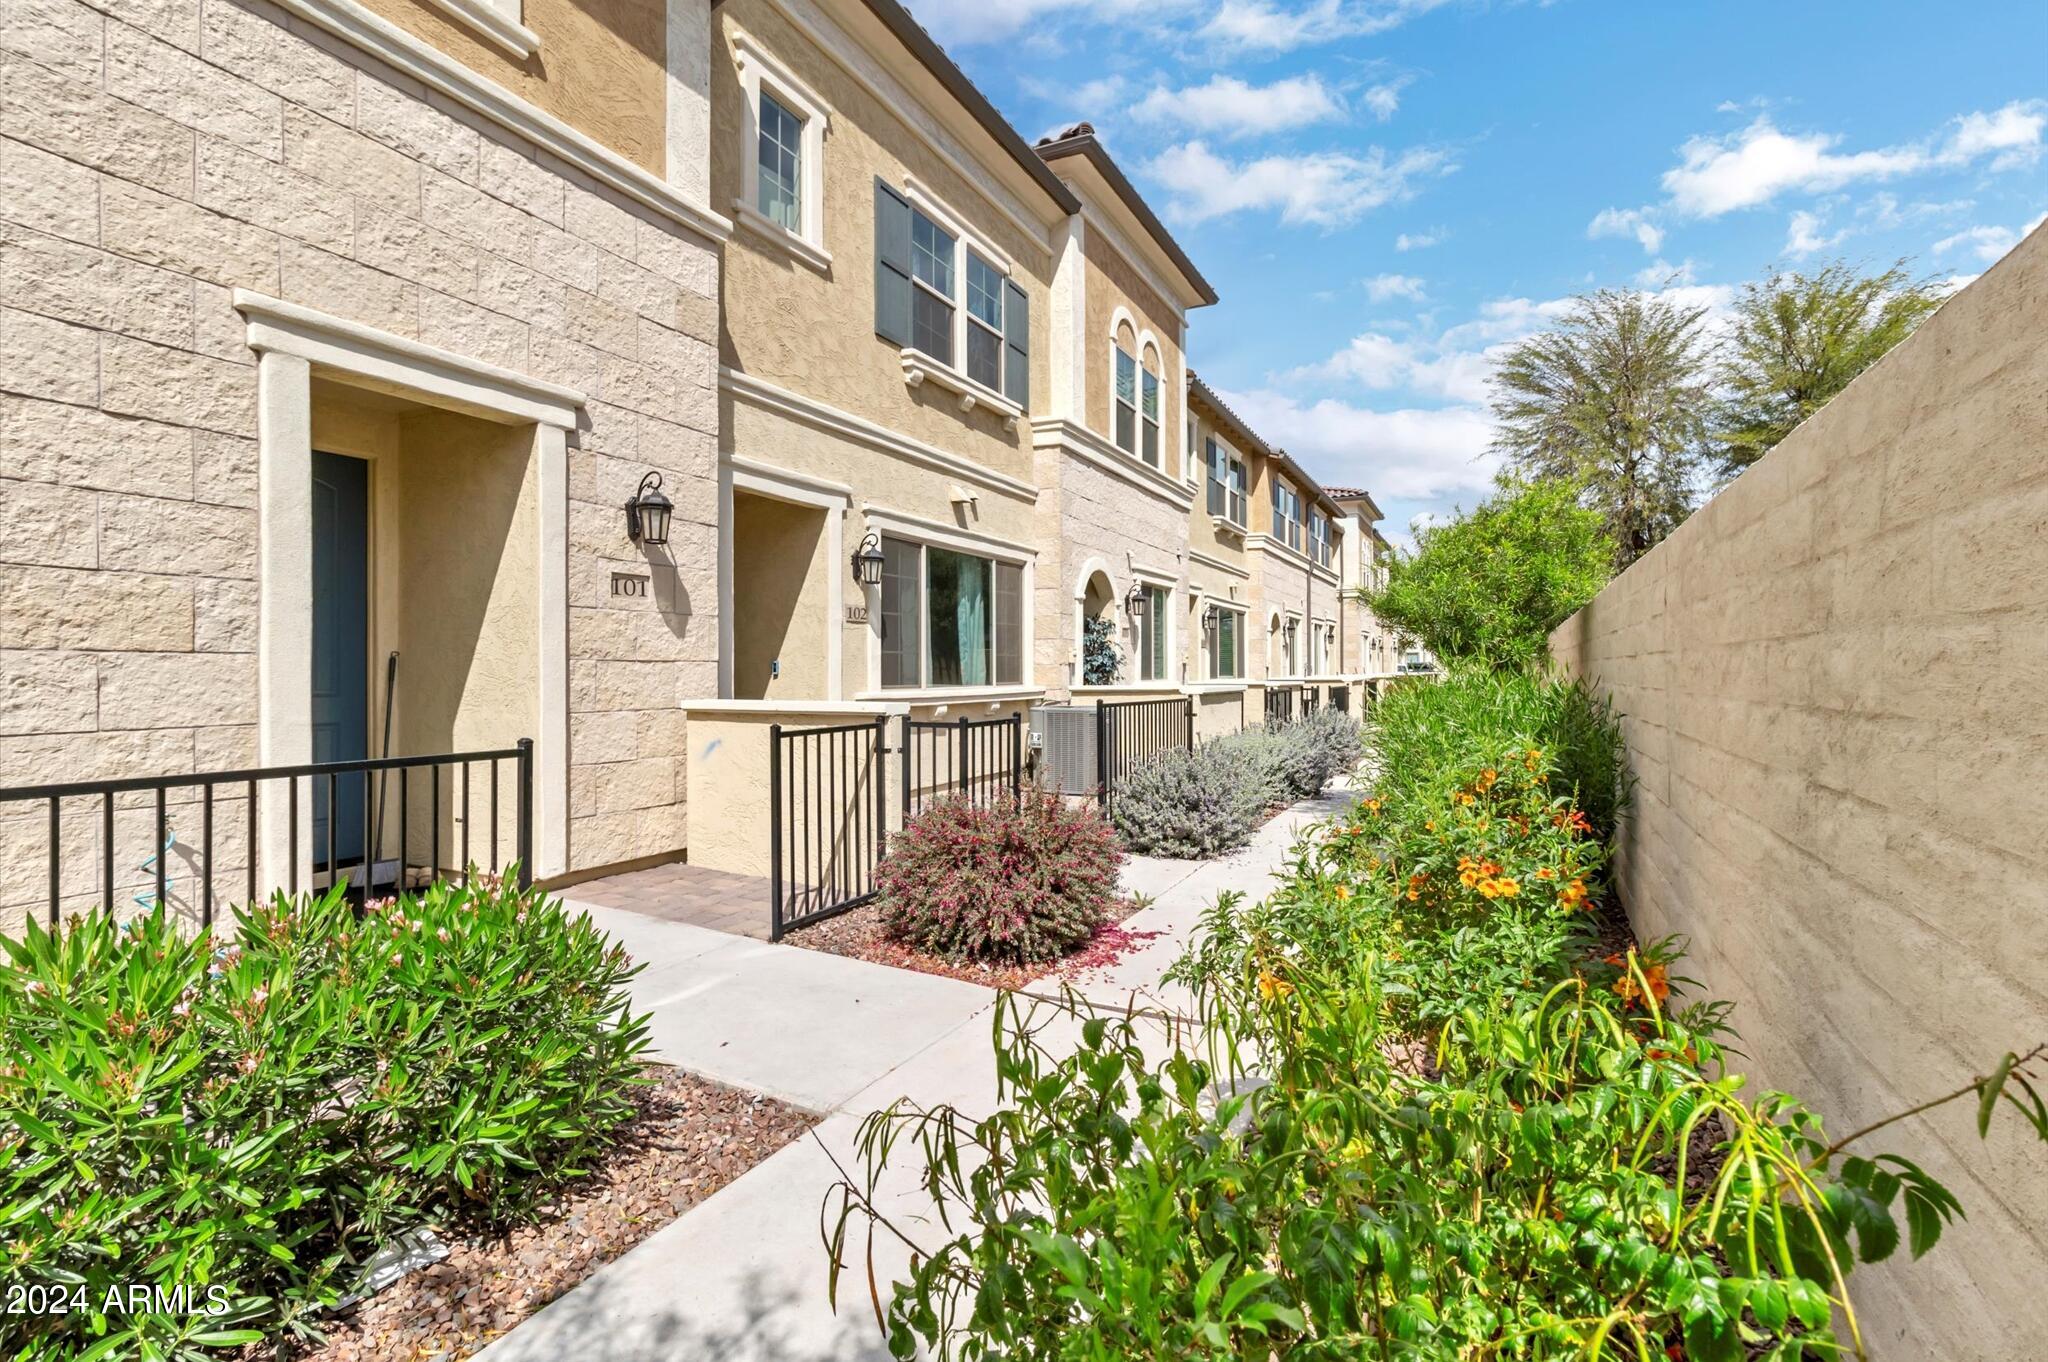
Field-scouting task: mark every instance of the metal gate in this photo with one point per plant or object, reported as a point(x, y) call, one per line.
point(1132, 730)
point(828, 813)
point(828, 801)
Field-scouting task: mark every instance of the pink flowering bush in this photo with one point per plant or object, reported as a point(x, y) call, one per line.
point(1015, 882)
point(254, 1115)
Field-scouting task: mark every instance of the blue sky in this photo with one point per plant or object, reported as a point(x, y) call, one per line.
point(1381, 190)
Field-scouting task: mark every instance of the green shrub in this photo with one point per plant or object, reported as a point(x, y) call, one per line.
point(1473, 714)
point(257, 1115)
point(1013, 881)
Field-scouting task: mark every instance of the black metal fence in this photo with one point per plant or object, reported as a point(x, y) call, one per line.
point(828, 815)
point(350, 833)
point(1289, 704)
point(979, 759)
point(1129, 731)
point(1340, 697)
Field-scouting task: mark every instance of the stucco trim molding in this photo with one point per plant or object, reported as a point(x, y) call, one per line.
point(928, 531)
point(918, 367)
point(499, 30)
point(1056, 433)
point(1219, 564)
point(392, 45)
point(375, 358)
point(831, 420)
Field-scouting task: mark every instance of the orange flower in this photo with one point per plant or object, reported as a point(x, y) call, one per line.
point(1653, 974)
point(1272, 986)
point(1464, 798)
point(1546, 873)
point(1343, 892)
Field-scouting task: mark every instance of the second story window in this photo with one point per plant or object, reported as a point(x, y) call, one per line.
point(931, 293)
point(1286, 515)
point(781, 201)
point(1319, 538)
point(951, 302)
point(780, 178)
point(984, 322)
point(1126, 400)
point(1148, 411)
point(1226, 485)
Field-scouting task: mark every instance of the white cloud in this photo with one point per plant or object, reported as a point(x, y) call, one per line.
point(1417, 241)
point(1803, 234)
point(1717, 175)
point(1384, 99)
point(1321, 189)
point(2011, 135)
point(1661, 273)
point(1233, 108)
point(1987, 242)
point(1401, 453)
point(1266, 27)
point(1382, 287)
point(1635, 222)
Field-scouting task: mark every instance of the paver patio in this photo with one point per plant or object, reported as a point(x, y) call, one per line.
point(681, 892)
point(742, 1276)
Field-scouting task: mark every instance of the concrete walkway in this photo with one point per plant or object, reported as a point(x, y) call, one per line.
point(742, 1276)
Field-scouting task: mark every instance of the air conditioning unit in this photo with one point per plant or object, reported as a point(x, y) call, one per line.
point(1064, 738)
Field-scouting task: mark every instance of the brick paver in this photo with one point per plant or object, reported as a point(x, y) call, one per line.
point(692, 894)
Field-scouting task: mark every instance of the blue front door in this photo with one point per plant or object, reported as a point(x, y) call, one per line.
point(341, 653)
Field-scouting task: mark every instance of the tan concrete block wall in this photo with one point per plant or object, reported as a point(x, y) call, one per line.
point(153, 159)
point(1831, 679)
point(1087, 512)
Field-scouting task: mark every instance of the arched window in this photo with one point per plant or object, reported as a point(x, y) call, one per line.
point(1148, 406)
point(1124, 388)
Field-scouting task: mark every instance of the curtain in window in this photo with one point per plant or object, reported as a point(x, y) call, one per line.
point(958, 588)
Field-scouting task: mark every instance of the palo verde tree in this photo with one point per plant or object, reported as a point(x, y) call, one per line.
point(1489, 586)
point(1797, 340)
point(1614, 398)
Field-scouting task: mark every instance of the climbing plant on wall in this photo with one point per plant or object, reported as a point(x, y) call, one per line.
point(1102, 662)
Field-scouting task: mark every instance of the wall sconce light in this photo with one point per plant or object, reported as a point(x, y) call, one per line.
point(867, 561)
point(648, 512)
point(1134, 604)
point(1209, 619)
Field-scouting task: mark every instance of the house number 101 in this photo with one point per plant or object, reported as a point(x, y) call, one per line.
point(628, 584)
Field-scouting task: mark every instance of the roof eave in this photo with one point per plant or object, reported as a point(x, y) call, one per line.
point(1088, 145)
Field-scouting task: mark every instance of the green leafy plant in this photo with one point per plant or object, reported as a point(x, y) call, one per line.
point(1102, 662)
point(1017, 881)
point(256, 1113)
point(1488, 587)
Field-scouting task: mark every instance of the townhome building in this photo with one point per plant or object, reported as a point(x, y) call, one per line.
point(1370, 649)
point(633, 380)
point(333, 333)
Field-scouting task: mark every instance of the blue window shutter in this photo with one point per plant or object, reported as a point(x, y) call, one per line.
point(1016, 345)
point(892, 265)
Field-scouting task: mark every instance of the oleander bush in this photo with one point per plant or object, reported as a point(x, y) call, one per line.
point(255, 1115)
point(1208, 801)
point(1424, 1114)
point(1015, 881)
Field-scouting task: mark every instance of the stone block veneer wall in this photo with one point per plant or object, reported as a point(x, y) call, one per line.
point(1832, 679)
point(155, 157)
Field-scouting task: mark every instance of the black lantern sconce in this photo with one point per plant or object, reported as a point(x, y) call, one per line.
point(867, 561)
point(1134, 604)
point(648, 512)
point(1209, 615)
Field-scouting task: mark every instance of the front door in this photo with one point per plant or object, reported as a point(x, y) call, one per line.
point(341, 653)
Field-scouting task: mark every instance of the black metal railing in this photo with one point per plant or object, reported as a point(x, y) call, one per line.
point(828, 815)
point(229, 804)
point(1340, 698)
point(978, 759)
point(1129, 731)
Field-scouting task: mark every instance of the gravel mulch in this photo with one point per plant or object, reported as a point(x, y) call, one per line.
point(858, 934)
point(691, 1138)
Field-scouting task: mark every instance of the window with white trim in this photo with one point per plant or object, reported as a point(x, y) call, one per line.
point(1224, 648)
point(931, 287)
point(782, 191)
point(1226, 484)
point(949, 618)
point(1286, 514)
point(1319, 538)
point(1126, 395)
point(1290, 647)
point(1148, 407)
point(984, 322)
point(1152, 635)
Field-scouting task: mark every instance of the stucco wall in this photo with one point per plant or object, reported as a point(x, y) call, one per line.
point(1832, 680)
point(813, 332)
point(154, 162)
point(599, 67)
